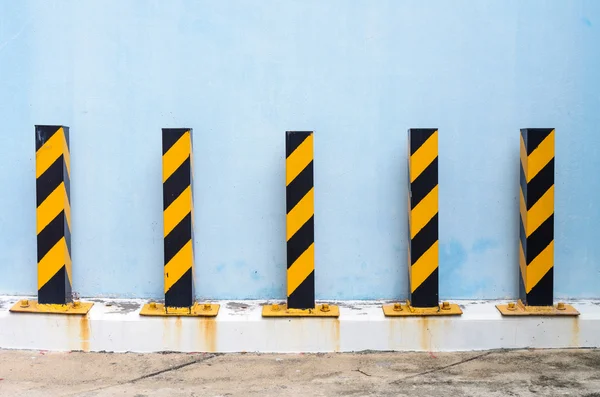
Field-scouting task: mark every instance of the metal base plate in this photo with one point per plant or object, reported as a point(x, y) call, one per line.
point(32, 306)
point(324, 310)
point(197, 310)
point(406, 310)
point(519, 309)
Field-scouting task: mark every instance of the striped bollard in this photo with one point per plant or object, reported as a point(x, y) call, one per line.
point(300, 234)
point(423, 247)
point(53, 223)
point(178, 230)
point(536, 231)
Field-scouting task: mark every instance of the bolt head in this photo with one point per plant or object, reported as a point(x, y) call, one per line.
point(152, 305)
point(275, 307)
point(561, 306)
point(24, 303)
point(445, 306)
point(76, 304)
point(325, 307)
point(207, 306)
point(397, 307)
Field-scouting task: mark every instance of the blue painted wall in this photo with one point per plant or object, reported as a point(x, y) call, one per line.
point(360, 74)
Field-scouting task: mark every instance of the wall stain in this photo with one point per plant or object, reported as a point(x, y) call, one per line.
point(575, 332)
point(425, 330)
point(177, 334)
point(335, 333)
point(394, 332)
point(208, 331)
point(84, 333)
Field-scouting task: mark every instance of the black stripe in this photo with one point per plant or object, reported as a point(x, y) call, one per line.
point(523, 183)
point(176, 183)
point(300, 241)
point(426, 295)
point(68, 237)
point(304, 296)
point(418, 136)
point(57, 290)
point(424, 183)
point(50, 235)
point(539, 239)
point(299, 187)
point(542, 293)
point(67, 181)
point(540, 184)
point(181, 294)
point(170, 136)
point(293, 139)
point(43, 133)
point(49, 180)
point(522, 235)
point(424, 239)
point(522, 294)
point(178, 237)
point(67, 137)
point(533, 137)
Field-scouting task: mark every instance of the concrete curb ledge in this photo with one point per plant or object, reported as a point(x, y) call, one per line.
point(115, 325)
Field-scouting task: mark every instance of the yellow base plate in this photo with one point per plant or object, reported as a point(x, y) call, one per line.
point(32, 306)
point(406, 310)
point(197, 310)
point(519, 309)
point(324, 310)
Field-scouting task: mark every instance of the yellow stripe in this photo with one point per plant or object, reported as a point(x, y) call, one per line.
point(523, 155)
point(51, 150)
point(300, 269)
point(300, 214)
point(177, 210)
point(67, 211)
point(52, 262)
point(522, 264)
point(423, 212)
point(68, 264)
point(299, 159)
point(424, 266)
point(176, 155)
point(540, 156)
point(540, 211)
point(522, 209)
point(423, 156)
point(67, 155)
point(56, 202)
point(178, 265)
point(538, 267)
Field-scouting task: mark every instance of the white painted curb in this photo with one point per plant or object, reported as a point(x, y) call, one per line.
point(116, 326)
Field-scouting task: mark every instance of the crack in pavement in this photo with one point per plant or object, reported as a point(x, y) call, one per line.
point(466, 360)
point(362, 372)
point(150, 375)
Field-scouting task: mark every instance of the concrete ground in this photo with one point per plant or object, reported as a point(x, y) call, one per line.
point(495, 373)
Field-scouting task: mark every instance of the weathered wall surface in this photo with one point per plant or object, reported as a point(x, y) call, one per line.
point(358, 73)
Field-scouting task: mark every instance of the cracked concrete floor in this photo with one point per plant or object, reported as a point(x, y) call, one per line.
point(495, 373)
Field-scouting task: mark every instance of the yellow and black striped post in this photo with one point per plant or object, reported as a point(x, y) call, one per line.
point(300, 231)
point(178, 227)
point(536, 232)
point(423, 246)
point(53, 224)
point(423, 251)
